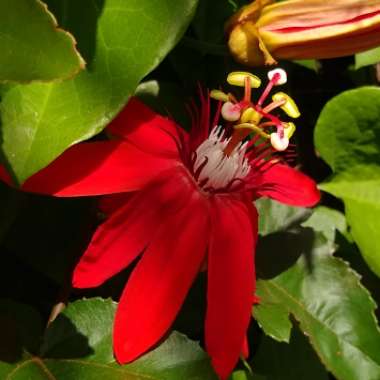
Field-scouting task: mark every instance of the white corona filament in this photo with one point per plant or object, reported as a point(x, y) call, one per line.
point(219, 170)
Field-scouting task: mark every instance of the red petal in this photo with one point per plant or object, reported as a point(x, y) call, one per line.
point(97, 168)
point(146, 129)
point(231, 281)
point(161, 280)
point(5, 176)
point(111, 203)
point(245, 349)
point(288, 186)
point(119, 240)
point(115, 244)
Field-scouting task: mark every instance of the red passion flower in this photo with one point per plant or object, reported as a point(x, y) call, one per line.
point(179, 200)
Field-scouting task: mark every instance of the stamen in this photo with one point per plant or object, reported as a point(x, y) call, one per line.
point(268, 89)
point(289, 106)
point(238, 78)
point(237, 137)
point(252, 128)
point(222, 162)
point(275, 104)
point(247, 89)
point(219, 95)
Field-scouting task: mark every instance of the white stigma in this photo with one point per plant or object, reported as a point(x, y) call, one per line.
point(282, 75)
point(279, 143)
point(230, 111)
point(217, 169)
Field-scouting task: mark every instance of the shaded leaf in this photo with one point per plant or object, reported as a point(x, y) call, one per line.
point(32, 45)
point(121, 42)
point(165, 98)
point(78, 345)
point(275, 216)
point(348, 138)
point(282, 361)
point(20, 331)
point(210, 18)
point(54, 231)
point(325, 296)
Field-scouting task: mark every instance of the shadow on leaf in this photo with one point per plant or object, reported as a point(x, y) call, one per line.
point(62, 340)
point(279, 251)
point(81, 19)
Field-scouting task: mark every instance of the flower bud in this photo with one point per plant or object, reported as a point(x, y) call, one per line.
point(303, 29)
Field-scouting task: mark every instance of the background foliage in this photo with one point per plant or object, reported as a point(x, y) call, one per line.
point(317, 269)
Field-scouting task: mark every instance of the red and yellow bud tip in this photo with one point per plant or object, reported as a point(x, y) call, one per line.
point(266, 30)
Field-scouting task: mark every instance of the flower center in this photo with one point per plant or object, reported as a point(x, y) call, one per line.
point(248, 117)
point(213, 169)
point(251, 138)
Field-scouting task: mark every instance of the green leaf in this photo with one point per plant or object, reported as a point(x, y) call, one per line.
point(325, 296)
point(275, 216)
point(20, 331)
point(310, 64)
point(243, 375)
point(32, 45)
point(369, 57)
point(79, 345)
point(84, 329)
point(274, 320)
point(347, 137)
point(282, 361)
point(121, 42)
point(327, 221)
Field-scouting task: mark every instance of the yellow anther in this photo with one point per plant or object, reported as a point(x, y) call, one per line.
point(289, 107)
point(250, 115)
point(253, 128)
point(219, 95)
point(289, 129)
point(237, 78)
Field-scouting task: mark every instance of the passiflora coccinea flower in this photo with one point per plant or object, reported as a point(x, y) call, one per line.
point(179, 199)
point(265, 30)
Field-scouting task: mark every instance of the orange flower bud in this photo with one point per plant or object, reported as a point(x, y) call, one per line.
point(303, 29)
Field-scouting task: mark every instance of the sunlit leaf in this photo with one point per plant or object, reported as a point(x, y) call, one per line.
point(369, 57)
point(347, 137)
point(121, 42)
point(33, 47)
